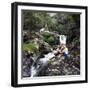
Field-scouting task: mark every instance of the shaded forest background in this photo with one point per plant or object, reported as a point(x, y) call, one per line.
point(40, 43)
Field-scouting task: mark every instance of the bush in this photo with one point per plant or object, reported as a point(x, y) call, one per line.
point(30, 47)
point(46, 35)
point(51, 39)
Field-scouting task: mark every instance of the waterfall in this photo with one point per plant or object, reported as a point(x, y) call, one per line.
point(41, 63)
point(62, 39)
point(47, 57)
point(33, 71)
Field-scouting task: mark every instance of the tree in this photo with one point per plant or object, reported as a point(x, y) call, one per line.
point(35, 20)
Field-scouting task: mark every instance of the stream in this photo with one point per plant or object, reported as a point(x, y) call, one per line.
point(41, 63)
point(45, 66)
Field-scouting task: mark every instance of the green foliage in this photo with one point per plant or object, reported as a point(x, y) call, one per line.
point(63, 23)
point(45, 34)
point(41, 43)
point(35, 20)
point(30, 47)
point(51, 40)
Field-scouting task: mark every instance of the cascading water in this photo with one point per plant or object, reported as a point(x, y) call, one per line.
point(33, 71)
point(43, 61)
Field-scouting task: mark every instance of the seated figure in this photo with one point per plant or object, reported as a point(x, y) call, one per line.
point(62, 49)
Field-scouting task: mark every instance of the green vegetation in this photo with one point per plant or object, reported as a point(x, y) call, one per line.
point(30, 47)
point(41, 31)
point(58, 23)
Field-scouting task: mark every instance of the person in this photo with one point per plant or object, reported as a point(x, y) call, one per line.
point(64, 51)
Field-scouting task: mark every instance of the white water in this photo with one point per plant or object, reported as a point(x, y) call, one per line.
point(47, 57)
point(43, 61)
point(33, 71)
point(62, 39)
